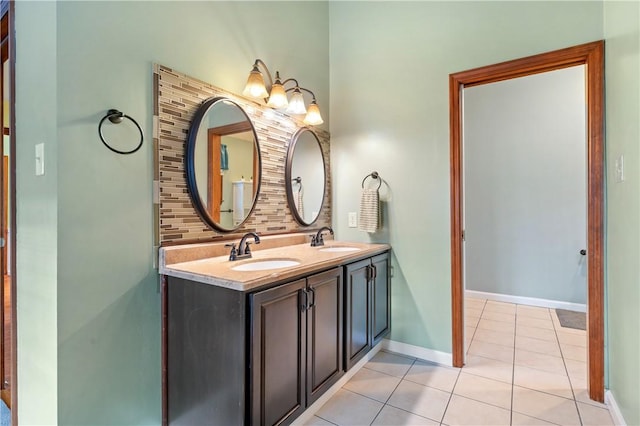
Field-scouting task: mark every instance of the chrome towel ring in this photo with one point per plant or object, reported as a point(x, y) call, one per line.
point(116, 117)
point(373, 175)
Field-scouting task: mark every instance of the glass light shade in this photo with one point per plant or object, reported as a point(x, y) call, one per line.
point(313, 116)
point(255, 85)
point(278, 97)
point(296, 104)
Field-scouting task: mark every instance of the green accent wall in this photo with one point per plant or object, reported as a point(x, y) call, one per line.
point(89, 310)
point(37, 213)
point(88, 300)
point(622, 34)
point(390, 64)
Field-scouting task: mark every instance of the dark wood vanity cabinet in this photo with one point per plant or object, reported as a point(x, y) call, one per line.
point(296, 346)
point(262, 357)
point(205, 354)
point(367, 306)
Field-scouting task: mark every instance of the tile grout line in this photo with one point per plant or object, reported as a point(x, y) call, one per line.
point(384, 404)
point(444, 413)
point(493, 379)
point(513, 377)
point(466, 353)
point(513, 381)
point(320, 417)
point(556, 329)
point(475, 329)
point(564, 363)
point(513, 366)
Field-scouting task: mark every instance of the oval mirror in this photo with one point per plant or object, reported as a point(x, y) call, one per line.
point(305, 177)
point(223, 164)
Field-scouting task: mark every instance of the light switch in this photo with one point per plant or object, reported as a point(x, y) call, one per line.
point(40, 159)
point(353, 219)
point(620, 169)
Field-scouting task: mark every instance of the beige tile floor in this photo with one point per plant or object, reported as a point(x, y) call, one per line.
point(522, 368)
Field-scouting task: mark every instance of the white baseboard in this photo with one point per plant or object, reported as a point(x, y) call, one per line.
point(532, 301)
point(438, 357)
point(616, 414)
point(311, 410)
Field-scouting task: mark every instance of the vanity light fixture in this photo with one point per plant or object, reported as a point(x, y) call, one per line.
point(313, 116)
point(275, 95)
point(296, 105)
point(278, 96)
point(255, 83)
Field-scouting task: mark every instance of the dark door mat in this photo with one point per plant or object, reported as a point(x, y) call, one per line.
point(572, 319)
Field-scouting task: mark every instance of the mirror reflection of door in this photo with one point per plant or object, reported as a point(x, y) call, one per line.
point(230, 147)
point(223, 164)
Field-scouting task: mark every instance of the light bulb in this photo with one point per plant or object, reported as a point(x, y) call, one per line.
point(296, 104)
point(278, 96)
point(313, 116)
point(255, 85)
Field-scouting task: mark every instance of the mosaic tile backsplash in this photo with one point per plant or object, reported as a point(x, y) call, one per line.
point(176, 99)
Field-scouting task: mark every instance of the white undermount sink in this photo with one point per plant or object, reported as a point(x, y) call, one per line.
point(339, 249)
point(262, 265)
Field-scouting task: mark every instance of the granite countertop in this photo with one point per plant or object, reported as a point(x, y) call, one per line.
point(216, 270)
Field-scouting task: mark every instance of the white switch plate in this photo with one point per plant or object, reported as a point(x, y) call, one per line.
point(40, 159)
point(353, 219)
point(620, 169)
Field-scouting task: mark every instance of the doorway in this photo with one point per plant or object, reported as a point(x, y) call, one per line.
point(592, 56)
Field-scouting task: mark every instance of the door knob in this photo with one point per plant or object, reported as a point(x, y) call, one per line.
point(583, 252)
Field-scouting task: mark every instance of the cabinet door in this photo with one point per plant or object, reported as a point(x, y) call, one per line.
point(358, 337)
point(324, 332)
point(381, 297)
point(278, 339)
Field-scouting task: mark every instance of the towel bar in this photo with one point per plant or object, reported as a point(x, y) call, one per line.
point(373, 175)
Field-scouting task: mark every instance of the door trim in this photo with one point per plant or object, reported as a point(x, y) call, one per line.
point(592, 56)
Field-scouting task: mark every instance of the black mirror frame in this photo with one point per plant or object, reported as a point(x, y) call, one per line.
point(288, 178)
point(190, 163)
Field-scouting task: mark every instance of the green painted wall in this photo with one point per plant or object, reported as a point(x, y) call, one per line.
point(89, 341)
point(622, 34)
point(37, 213)
point(88, 306)
point(390, 63)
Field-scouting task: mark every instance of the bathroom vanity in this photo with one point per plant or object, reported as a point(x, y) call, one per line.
point(253, 341)
point(260, 346)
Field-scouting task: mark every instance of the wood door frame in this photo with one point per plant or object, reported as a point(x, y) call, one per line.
point(592, 56)
point(214, 184)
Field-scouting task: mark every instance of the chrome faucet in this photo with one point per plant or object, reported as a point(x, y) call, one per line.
point(317, 240)
point(243, 251)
